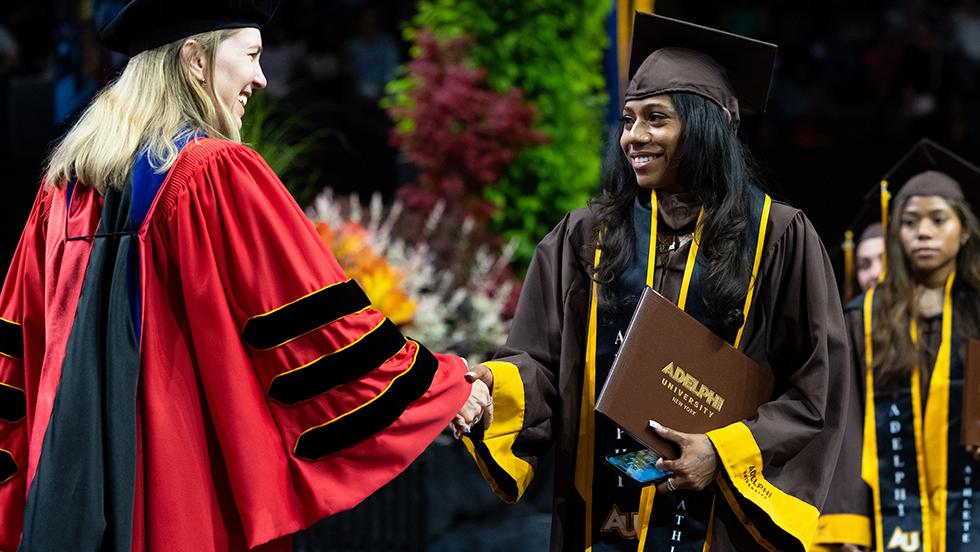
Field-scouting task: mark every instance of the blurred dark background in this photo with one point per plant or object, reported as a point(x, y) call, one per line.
point(858, 82)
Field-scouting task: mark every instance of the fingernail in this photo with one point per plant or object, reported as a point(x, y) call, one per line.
point(655, 425)
point(466, 430)
point(471, 373)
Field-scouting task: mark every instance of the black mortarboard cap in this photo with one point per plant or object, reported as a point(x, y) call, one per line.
point(669, 55)
point(146, 24)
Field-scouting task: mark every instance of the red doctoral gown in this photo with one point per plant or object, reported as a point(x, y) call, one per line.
point(238, 295)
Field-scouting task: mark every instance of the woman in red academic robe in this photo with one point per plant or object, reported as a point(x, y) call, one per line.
point(184, 364)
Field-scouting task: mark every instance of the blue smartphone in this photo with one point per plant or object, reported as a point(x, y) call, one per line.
point(639, 466)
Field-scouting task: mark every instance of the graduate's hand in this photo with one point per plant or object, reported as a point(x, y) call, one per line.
point(479, 406)
point(695, 468)
point(482, 373)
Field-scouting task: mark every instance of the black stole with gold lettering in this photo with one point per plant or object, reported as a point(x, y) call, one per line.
point(922, 478)
point(679, 521)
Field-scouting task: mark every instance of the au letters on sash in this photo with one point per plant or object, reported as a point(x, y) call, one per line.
point(922, 477)
point(616, 514)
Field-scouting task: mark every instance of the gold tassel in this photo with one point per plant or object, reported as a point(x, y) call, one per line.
point(848, 247)
point(885, 197)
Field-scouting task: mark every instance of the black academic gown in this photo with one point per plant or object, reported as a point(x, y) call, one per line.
point(774, 469)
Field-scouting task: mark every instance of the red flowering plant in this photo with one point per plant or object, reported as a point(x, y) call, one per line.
point(460, 134)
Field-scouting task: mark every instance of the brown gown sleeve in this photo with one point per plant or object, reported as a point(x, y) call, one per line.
point(526, 369)
point(847, 514)
point(776, 467)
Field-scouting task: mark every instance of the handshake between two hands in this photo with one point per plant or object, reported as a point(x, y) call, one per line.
point(694, 469)
point(479, 405)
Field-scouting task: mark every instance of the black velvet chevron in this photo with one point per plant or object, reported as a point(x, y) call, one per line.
point(275, 328)
point(338, 368)
point(13, 403)
point(11, 339)
point(373, 417)
point(8, 466)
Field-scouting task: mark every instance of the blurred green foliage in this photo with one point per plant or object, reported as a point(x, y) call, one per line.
point(552, 50)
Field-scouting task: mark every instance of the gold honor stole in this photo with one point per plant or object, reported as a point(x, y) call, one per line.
point(690, 300)
point(921, 502)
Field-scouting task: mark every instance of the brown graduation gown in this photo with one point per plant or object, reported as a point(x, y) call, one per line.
point(795, 329)
point(848, 514)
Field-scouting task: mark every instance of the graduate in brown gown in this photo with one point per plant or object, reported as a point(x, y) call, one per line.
point(681, 211)
point(904, 481)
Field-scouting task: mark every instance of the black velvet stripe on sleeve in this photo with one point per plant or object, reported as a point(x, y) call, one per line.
point(275, 328)
point(362, 423)
point(501, 478)
point(776, 537)
point(343, 366)
point(11, 339)
point(13, 403)
point(8, 466)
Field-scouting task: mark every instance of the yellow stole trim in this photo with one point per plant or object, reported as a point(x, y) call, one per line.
point(839, 528)
point(739, 453)
point(848, 247)
point(932, 428)
point(586, 429)
point(508, 393)
point(936, 427)
point(763, 224)
point(869, 454)
point(649, 493)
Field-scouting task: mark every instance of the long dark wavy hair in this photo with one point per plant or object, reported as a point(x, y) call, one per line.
point(718, 168)
point(897, 299)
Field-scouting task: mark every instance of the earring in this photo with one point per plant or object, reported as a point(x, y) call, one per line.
point(202, 82)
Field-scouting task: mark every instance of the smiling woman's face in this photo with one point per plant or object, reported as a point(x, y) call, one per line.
point(237, 71)
point(651, 132)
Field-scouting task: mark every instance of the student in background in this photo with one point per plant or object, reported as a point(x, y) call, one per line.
point(904, 481)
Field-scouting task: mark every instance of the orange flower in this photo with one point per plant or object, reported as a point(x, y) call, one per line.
point(380, 281)
point(326, 233)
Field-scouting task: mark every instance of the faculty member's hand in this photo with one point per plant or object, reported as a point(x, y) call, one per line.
point(694, 468)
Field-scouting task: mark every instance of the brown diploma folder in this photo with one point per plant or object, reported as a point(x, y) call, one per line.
point(970, 425)
point(673, 370)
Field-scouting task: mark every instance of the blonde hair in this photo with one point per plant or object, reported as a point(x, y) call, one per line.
point(155, 100)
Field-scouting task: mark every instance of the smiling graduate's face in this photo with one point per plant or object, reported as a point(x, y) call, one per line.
point(651, 133)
